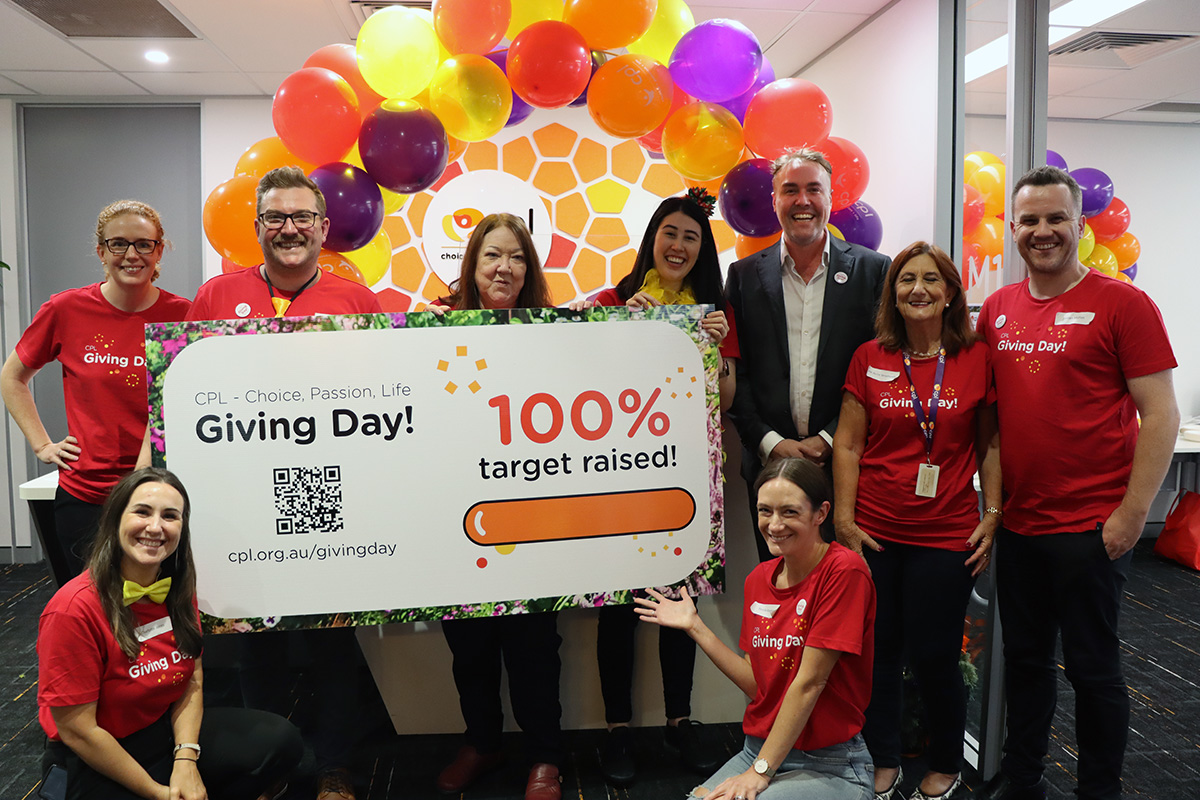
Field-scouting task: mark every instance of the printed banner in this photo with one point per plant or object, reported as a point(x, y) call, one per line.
point(362, 469)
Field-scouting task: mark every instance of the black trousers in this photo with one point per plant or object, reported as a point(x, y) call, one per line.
point(75, 523)
point(528, 645)
point(1063, 582)
point(244, 753)
point(614, 658)
point(920, 606)
point(337, 721)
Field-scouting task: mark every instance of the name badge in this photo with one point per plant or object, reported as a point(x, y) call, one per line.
point(764, 609)
point(1074, 318)
point(927, 479)
point(885, 375)
point(151, 629)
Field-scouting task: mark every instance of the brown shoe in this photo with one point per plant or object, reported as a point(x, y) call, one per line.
point(335, 784)
point(468, 766)
point(544, 783)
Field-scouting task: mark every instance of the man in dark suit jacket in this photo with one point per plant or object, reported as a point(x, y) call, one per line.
point(802, 308)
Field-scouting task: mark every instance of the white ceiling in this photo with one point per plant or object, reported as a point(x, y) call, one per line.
point(246, 48)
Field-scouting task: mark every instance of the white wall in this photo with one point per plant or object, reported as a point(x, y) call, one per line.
point(1153, 168)
point(883, 87)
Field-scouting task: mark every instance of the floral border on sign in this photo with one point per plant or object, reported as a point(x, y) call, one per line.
point(165, 341)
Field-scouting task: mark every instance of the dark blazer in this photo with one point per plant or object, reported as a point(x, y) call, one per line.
point(754, 290)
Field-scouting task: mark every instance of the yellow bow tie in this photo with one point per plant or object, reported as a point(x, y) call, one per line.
point(157, 591)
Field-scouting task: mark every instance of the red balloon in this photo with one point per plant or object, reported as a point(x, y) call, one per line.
point(549, 64)
point(316, 115)
point(851, 173)
point(343, 59)
point(972, 209)
point(787, 114)
point(1112, 222)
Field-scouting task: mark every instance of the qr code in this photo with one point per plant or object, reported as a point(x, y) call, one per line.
point(308, 500)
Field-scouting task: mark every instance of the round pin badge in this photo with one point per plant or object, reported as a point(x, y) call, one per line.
point(803, 604)
point(242, 310)
point(841, 277)
point(1000, 320)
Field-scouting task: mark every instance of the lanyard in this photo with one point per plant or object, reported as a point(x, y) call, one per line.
point(927, 425)
point(282, 304)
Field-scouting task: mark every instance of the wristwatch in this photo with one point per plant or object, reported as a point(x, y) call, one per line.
point(763, 767)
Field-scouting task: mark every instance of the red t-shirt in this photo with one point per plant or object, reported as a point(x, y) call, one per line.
point(102, 350)
point(887, 505)
point(729, 345)
point(833, 608)
point(79, 662)
point(242, 294)
point(1068, 425)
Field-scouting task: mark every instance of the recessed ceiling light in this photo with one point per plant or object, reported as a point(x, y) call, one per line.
point(157, 57)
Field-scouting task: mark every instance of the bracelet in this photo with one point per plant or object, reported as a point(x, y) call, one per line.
point(995, 512)
point(189, 746)
point(183, 758)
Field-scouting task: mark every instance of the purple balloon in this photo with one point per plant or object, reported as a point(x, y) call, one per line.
point(716, 60)
point(582, 99)
point(739, 104)
point(1053, 159)
point(403, 146)
point(353, 203)
point(1097, 189)
point(520, 109)
point(745, 199)
point(859, 224)
point(1131, 271)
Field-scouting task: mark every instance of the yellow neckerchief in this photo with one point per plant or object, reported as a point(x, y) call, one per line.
point(652, 286)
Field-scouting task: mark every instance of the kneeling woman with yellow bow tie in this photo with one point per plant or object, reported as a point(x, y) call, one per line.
point(120, 681)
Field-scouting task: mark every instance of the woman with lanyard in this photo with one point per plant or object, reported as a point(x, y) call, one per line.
point(120, 692)
point(918, 418)
point(676, 264)
point(97, 334)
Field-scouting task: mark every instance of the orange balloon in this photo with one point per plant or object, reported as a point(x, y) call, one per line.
point(989, 237)
point(702, 141)
point(456, 147)
point(343, 59)
point(471, 26)
point(630, 96)
point(1126, 248)
point(228, 218)
point(609, 24)
point(653, 139)
point(749, 245)
point(989, 180)
point(340, 265)
point(228, 266)
point(266, 155)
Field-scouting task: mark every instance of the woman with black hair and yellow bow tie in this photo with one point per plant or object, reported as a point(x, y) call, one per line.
point(119, 675)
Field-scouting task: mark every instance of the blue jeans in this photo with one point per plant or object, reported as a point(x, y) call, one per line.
point(840, 772)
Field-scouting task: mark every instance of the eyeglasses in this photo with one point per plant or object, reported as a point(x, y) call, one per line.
point(119, 247)
point(277, 219)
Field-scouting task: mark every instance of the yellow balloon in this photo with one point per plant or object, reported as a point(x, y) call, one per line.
point(392, 201)
point(527, 12)
point(1103, 260)
point(702, 141)
point(1086, 242)
point(471, 96)
point(671, 21)
point(989, 180)
point(397, 52)
point(834, 230)
point(373, 259)
point(973, 161)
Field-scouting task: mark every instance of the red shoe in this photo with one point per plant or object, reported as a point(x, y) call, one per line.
point(544, 783)
point(468, 766)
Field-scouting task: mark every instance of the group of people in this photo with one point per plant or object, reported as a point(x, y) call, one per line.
point(865, 403)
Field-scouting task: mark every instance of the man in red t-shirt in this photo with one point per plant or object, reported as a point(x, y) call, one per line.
point(1077, 356)
point(291, 227)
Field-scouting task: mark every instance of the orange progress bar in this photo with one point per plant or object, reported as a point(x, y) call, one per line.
point(581, 516)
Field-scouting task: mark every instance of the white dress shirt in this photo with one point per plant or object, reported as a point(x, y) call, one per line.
point(803, 305)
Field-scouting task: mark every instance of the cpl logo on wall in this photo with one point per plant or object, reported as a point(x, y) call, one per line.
point(586, 196)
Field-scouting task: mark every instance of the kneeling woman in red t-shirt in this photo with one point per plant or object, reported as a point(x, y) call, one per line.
point(807, 634)
point(918, 417)
point(119, 677)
